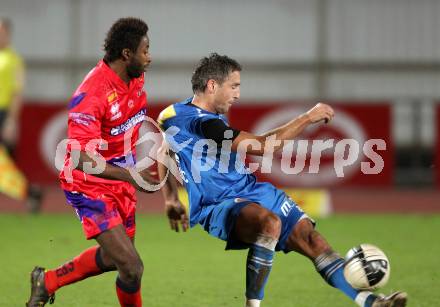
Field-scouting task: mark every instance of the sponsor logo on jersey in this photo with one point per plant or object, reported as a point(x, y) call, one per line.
point(76, 100)
point(116, 116)
point(129, 123)
point(112, 97)
point(114, 110)
point(82, 118)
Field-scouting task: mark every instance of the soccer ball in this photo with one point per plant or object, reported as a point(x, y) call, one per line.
point(366, 267)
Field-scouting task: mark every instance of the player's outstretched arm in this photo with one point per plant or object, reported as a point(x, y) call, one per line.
point(112, 172)
point(173, 207)
point(288, 131)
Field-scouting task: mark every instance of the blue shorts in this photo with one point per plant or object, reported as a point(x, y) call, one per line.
point(219, 220)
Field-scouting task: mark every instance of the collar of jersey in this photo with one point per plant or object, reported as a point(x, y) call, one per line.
point(113, 76)
point(189, 101)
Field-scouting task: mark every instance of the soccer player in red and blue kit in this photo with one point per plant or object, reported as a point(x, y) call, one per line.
point(108, 105)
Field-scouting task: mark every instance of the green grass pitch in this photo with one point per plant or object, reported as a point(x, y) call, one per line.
point(193, 270)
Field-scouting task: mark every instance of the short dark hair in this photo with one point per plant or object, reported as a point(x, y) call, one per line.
point(215, 67)
point(124, 33)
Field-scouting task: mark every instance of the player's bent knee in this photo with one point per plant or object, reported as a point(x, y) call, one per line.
point(132, 270)
point(103, 261)
point(271, 225)
point(133, 274)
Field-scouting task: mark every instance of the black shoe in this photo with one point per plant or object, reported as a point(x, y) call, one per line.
point(39, 295)
point(396, 299)
point(34, 199)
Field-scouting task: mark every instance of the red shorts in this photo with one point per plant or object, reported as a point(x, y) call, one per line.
point(105, 207)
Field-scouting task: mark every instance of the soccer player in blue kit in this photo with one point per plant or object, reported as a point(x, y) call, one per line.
point(226, 199)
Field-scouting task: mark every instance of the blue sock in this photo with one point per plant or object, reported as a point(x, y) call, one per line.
point(331, 267)
point(258, 267)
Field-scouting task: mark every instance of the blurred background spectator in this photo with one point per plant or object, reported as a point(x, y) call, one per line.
point(12, 182)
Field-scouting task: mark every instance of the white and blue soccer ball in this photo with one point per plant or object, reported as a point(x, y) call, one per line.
point(366, 267)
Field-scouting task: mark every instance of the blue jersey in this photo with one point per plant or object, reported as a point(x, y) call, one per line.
point(211, 173)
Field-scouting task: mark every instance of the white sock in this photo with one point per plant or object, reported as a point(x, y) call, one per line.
point(362, 297)
point(253, 303)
